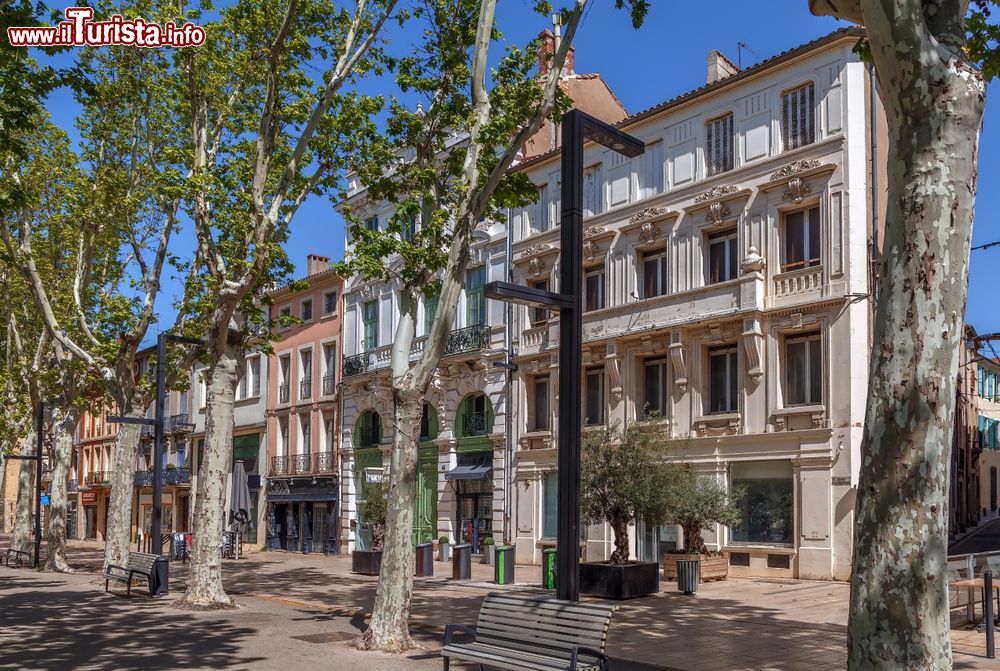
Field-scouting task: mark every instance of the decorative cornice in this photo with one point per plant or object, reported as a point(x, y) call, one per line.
point(715, 193)
point(536, 249)
point(794, 167)
point(650, 214)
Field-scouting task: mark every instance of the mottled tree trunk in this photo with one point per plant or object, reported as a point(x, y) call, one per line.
point(205, 589)
point(620, 554)
point(64, 422)
point(389, 628)
point(119, 527)
point(694, 543)
point(934, 105)
point(22, 539)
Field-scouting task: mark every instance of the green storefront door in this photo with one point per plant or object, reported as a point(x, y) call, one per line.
point(425, 505)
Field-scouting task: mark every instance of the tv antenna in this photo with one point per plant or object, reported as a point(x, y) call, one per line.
point(740, 46)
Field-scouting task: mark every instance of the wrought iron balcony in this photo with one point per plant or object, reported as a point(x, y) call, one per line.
point(301, 463)
point(179, 424)
point(97, 478)
point(305, 387)
point(329, 384)
point(323, 462)
point(475, 424)
point(469, 339)
point(72, 486)
point(171, 476)
point(357, 364)
point(280, 466)
point(283, 393)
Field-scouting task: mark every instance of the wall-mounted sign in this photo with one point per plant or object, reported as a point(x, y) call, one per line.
point(375, 474)
point(88, 497)
point(45, 499)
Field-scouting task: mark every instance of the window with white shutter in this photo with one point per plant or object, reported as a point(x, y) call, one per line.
point(798, 127)
point(719, 145)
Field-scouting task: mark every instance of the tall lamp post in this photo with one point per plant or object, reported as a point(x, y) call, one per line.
point(577, 127)
point(37, 458)
point(158, 422)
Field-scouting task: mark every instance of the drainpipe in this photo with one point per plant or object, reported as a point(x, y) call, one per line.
point(508, 415)
point(875, 254)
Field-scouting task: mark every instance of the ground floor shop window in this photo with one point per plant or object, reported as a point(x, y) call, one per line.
point(550, 504)
point(765, 498)
point(654, 540)
point(474, 498)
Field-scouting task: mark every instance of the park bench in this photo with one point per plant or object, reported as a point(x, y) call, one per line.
point(20, 557)
point(525, 632)
point(140, 564)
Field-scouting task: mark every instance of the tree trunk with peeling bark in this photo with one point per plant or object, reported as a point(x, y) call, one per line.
point(934, 102)
point(205, 589)
point(119, 525)
point(65, 422)
point(22, 539)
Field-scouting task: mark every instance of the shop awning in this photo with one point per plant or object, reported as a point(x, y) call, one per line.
point(470, 472)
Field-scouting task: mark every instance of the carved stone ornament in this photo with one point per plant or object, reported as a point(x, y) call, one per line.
point(649, 233)
point(754, 262)
point(678, 357)
point(716, 192)
point(535, 266)
point(795, 166)
point(717, 213)
point(753, 346)
point(593, 232)
point(797, 190)
point(614, 374)
point(536, 249)
point(590, 250)
point(649, 213)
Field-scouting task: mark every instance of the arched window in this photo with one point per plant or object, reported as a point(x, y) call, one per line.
point(428, 423)
point(475, 416)
point(368, 431)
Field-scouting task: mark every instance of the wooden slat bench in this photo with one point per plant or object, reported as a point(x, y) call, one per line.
point(20, 557)
point(523, 633)
point(140, 564)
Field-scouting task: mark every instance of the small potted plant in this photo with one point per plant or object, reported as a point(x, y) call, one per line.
point(374, 510)
point(489, 550)
point(624, 477)
point(443, 553)
point(698, 501)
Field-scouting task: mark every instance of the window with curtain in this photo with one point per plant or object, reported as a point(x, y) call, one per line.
point(802, 239)
point(654, 274)
point(593, 287)
point(803, 370)
point(722, 263)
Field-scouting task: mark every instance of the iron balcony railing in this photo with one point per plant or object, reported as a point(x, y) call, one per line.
point(171, 476)
point(323, 462)
point(179, 424)
point(329, 384)
point(357, 364)
point(283, 393)
point(305, 387)
point(280, 466)
point(301, 463)
point(97, 478)
point(72, 486)
point(469, 339)
point(474, 424)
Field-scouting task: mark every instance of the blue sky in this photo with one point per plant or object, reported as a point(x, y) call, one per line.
point(666, 57)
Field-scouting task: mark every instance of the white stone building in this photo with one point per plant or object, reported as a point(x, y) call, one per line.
point(727, 287)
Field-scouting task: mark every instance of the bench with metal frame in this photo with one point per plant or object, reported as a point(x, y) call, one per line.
point(140, 564)
point(20, 557)
point(524, 632)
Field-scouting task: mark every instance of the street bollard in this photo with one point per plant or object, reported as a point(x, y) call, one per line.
point(461, 567)
point(161, 576)
point(425, 560)
point(991, 651)
point(504, 569)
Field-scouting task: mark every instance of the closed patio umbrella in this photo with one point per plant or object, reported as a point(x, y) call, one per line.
point(239, 500)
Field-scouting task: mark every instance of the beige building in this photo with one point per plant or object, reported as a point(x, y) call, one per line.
point(727, 290)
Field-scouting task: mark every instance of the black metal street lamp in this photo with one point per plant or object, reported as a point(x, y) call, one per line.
point(158, 423)
point(37, 458)
point(577, 127)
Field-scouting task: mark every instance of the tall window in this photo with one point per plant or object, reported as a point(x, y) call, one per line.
point(550, 504)
point(723, 393)
point(540, 315)
point(803, 370)
point(593, 191)
point(719, 145)
point(594, 288)
point(654, 274)
point(802, 239)
point(285, 379)
point(307, 309)
point(798, 117)
point(285, 312)
point(425, 423)
point(541, 403)
point(329, 368)
point(250, 384)
point(655, 388)
point(283, 437)
point(410, 227)
point(766, 503)
point(330, 302)
point(430, 309)
point(306, 425)
point(371, 223)
point(542, 209)
point(475, 298)
point(370, 319)
point(722, 257)
point(475, 421)
point(594, 408)
point(329, 432)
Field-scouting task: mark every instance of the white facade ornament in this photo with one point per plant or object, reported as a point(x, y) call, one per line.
point(590, 250)
point(649, 213)
point(593, 232)
point(614, 374)
point(536, 249)
point(794, 167)
point(678, 357)
point(753, 346)
point(535, 266)
point(649, 233)
point(717, 213)
point(754, 262)
point(716, 192)
point(797, 190)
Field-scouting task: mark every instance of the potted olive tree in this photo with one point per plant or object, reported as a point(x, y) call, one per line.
point(624, 477)
point(489, 550)
point(697, 501)
point(374, 510)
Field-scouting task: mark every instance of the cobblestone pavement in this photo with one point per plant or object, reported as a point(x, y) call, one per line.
point(297, 611)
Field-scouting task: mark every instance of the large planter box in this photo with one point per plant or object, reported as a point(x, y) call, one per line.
point(625, 581)
point(366, 562)
point(711, 567)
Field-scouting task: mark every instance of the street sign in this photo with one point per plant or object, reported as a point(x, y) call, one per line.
point(45, 499)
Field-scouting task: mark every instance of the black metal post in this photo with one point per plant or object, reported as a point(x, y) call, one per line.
point(38, 486)
point(991, 651)
point(159, 411)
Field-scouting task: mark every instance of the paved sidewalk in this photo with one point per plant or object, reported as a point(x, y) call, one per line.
point(296, 611)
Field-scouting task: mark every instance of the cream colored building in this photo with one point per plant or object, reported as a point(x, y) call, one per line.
point(727, 289)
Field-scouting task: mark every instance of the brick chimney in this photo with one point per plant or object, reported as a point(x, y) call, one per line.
point(317, 264)
point(548, 43)
point(719, 67)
